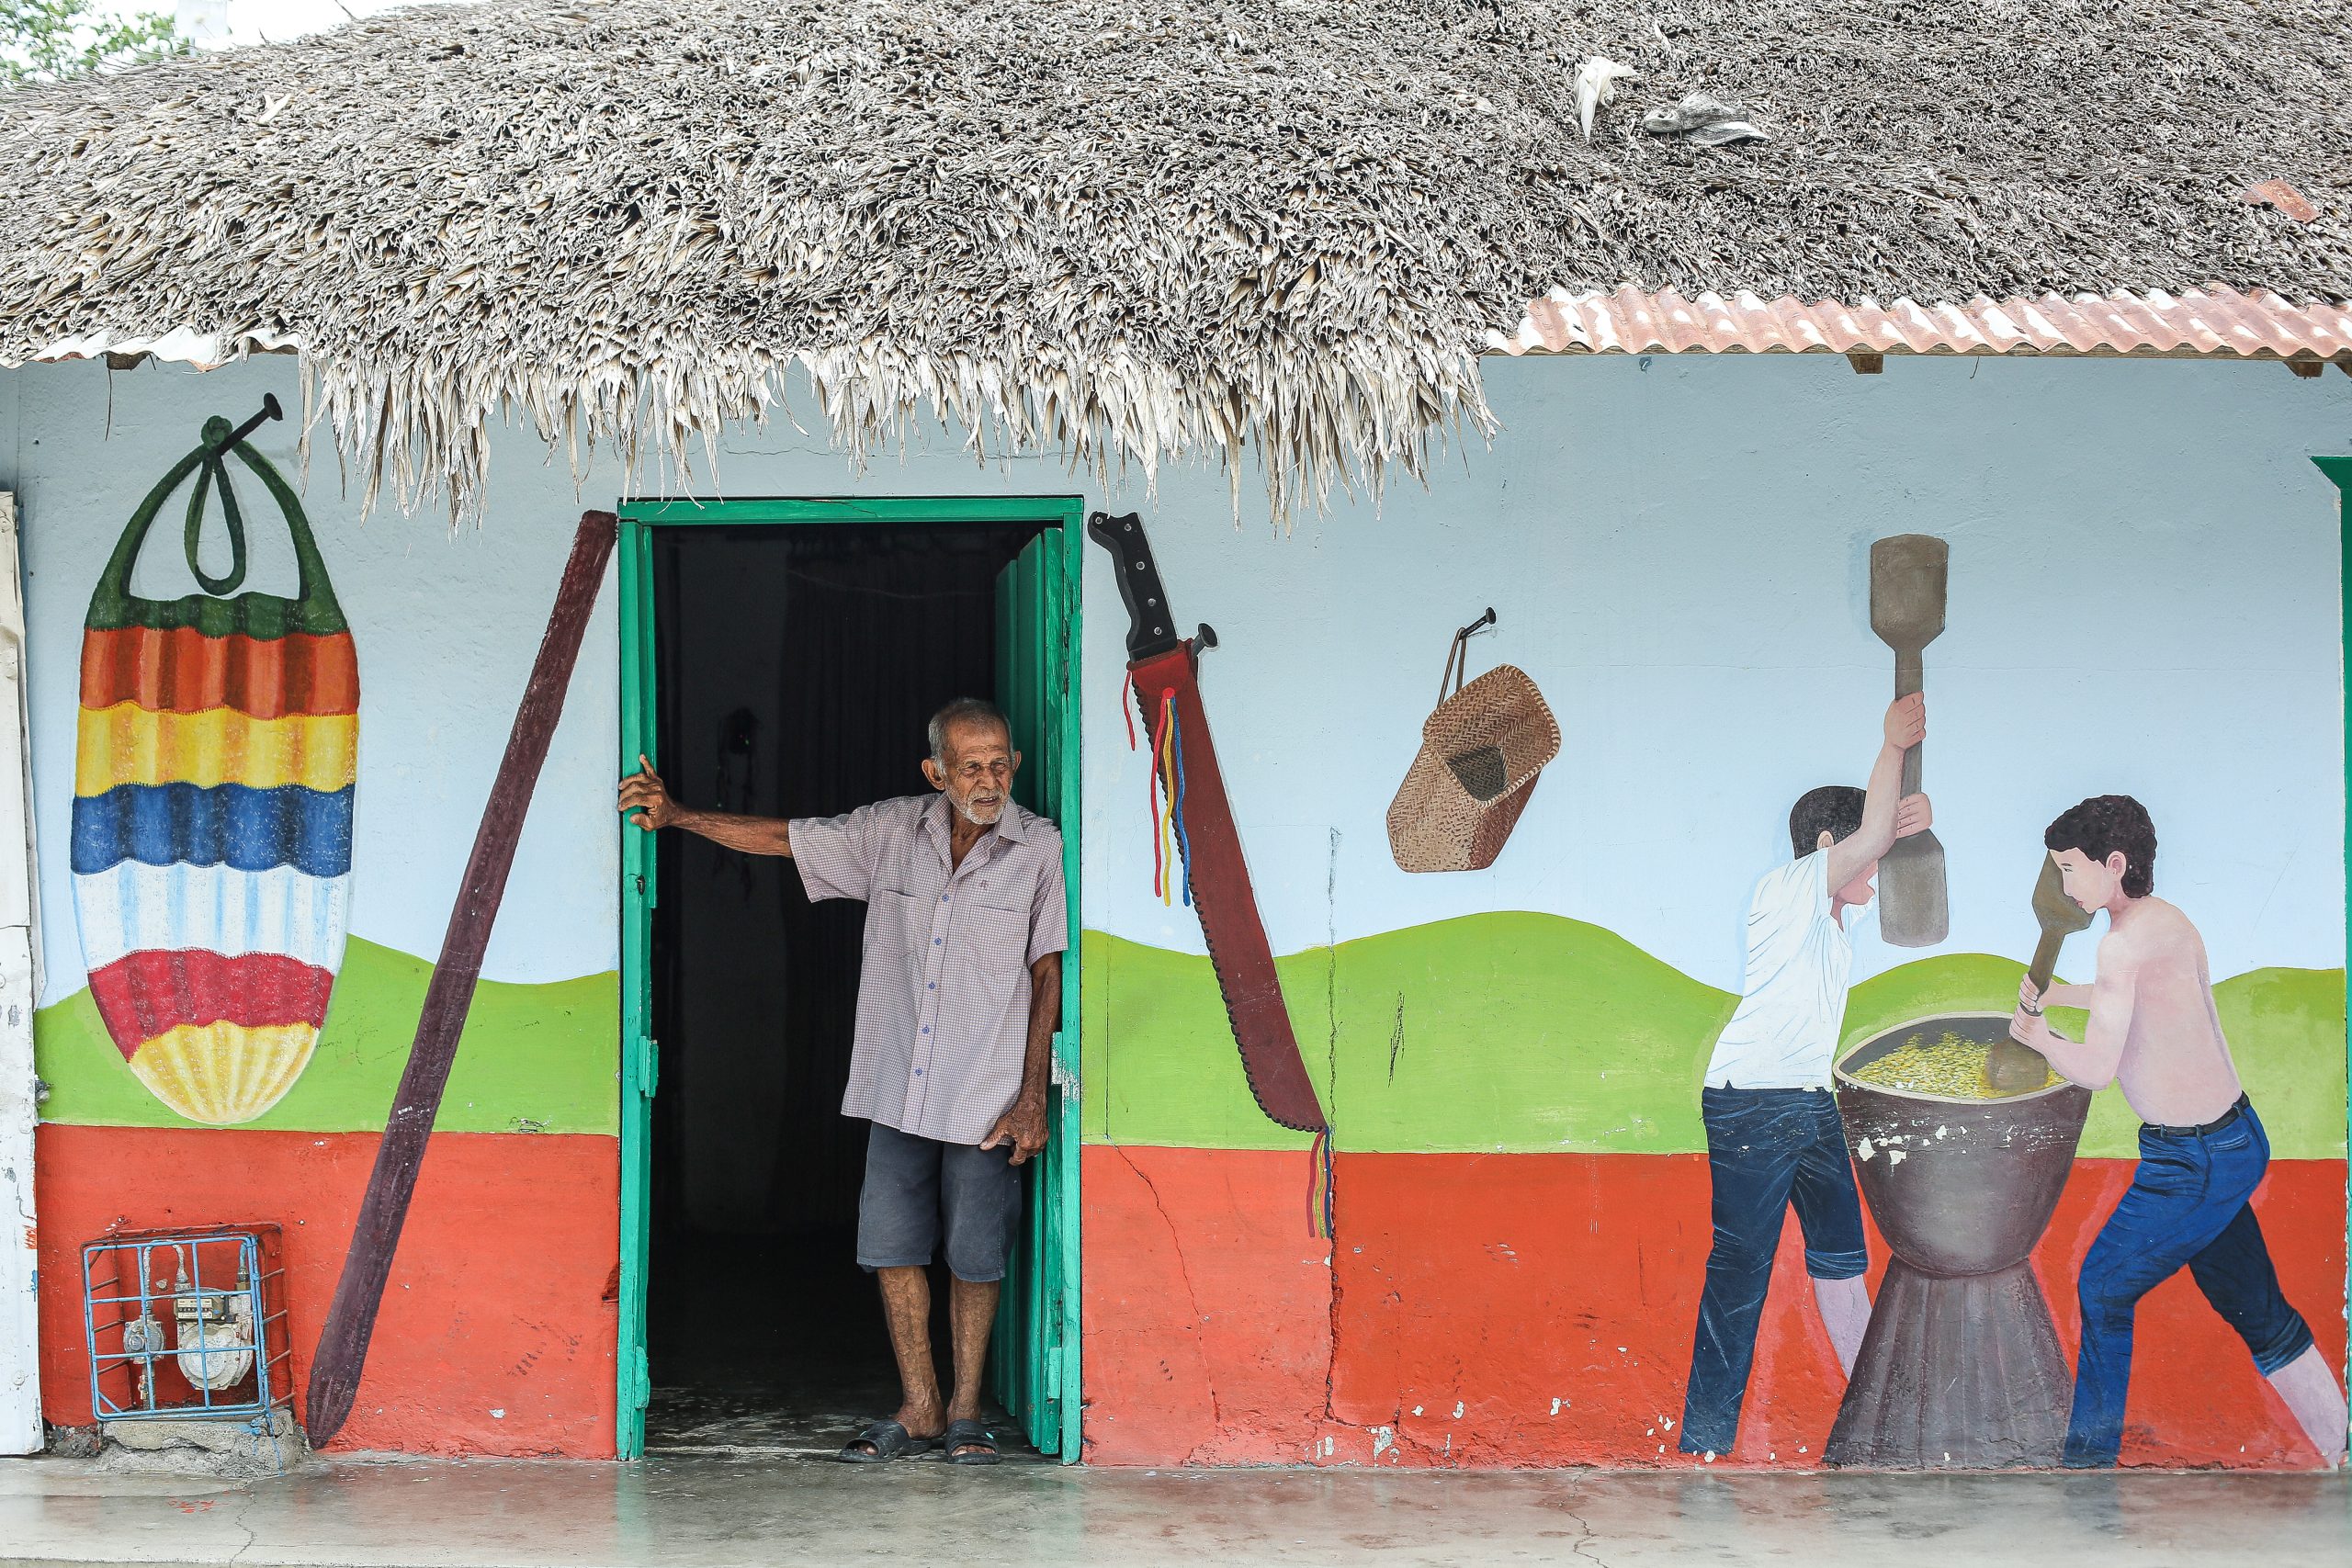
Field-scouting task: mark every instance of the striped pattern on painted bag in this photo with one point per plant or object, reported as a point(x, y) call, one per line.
point(215, 768)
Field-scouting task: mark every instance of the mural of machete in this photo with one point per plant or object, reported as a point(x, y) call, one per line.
point(1163, 667)
point(215, 763)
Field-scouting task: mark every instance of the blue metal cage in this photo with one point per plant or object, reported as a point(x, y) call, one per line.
point(183, 1325)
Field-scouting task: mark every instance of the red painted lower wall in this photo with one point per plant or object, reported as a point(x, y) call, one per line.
point(1465, 1294)
point(496, 1336)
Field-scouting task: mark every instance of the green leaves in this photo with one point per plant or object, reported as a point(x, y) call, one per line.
point(47, 40)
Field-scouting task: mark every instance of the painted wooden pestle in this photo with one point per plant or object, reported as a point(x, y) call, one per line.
point(2011, 1066)
point(1908, 574)
point(341, 1353)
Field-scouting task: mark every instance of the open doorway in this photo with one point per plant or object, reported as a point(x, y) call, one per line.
point(791, 663)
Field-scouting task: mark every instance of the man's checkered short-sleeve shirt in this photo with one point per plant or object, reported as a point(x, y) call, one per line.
point(942, 998)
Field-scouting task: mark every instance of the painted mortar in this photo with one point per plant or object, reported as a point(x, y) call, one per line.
point(1961, 1367)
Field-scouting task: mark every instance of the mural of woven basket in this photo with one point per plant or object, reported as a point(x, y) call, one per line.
point(1481, 750)
point(213, 781)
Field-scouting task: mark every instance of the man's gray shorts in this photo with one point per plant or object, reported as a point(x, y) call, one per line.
point(914, 1184)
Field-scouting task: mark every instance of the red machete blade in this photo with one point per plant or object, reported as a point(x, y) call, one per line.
point(1164, 664)
point(351, 1319)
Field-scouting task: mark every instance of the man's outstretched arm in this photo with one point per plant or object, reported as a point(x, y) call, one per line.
point(645, 801)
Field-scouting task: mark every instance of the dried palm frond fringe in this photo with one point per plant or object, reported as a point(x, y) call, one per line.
point(1131, 231)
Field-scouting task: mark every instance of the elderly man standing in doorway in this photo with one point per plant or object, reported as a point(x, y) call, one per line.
point(957, 1001)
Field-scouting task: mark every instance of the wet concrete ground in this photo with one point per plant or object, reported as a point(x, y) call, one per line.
point(792, 1361)
point(696, 1512)
point(758, 1420)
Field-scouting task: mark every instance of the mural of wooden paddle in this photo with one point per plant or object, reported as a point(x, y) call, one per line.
point(1908, 573)
point(351, 1319)
point(2011, 1066)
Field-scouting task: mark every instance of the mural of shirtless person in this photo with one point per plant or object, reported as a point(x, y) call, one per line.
point(2202, 1150)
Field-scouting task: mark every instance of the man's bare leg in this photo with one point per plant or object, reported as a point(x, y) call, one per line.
point(971, 1313)
point(1845, 1312)
point(906, 1307)
point(2308, 1385)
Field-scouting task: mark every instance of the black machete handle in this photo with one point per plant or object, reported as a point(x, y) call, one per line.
point(1151, 629)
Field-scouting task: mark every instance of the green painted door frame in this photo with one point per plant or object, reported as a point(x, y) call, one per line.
point(1037, 1317)
point(640, 1055)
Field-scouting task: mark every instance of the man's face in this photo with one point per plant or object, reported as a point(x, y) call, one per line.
point(977, 775)
point(2090, 884)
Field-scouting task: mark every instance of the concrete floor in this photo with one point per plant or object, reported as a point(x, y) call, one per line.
point(819, 1369)
point(693, 1512)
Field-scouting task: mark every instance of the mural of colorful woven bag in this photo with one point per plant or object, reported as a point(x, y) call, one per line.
point(1481, 750)
point(213, 782)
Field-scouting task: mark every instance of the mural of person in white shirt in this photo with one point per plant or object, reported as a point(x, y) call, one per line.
point(1774, 1138)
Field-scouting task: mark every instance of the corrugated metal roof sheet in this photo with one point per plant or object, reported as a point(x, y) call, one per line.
point(2219, 323)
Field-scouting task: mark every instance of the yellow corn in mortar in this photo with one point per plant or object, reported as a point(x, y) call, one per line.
point(1951, 1066)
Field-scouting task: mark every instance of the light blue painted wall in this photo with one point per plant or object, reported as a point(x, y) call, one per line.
point(445, 627)
point(2144, 587)
point(447, 624)
point(2143, 599)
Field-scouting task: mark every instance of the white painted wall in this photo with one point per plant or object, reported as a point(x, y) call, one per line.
point(20, 1428)
point(2143, 598)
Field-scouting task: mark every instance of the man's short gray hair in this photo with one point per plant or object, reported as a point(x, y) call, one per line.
point(964, 710)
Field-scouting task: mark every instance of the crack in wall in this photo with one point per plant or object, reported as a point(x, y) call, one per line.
point(1331, 986)
point(1332, 1118)
point(1331, 1351)
point(1184, 1272)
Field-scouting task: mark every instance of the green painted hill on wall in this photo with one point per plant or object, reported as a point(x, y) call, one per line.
point(541, 1059)
point(1461, 1036)
point(1525, 1032)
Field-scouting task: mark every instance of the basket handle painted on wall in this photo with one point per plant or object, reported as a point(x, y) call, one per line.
point(1457, 656)
point(313, 610)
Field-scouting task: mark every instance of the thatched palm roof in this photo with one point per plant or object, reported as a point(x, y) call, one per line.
point(1128, 229)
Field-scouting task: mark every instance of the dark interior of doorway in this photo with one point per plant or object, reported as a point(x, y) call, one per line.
point(796, 667)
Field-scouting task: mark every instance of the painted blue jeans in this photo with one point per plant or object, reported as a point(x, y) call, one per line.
point(1767, 1149)
point(2188, 1207)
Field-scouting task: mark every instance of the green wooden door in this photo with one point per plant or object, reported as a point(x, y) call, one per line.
point(1033, 1358)
point(640, 1059)
point(1037, 1353)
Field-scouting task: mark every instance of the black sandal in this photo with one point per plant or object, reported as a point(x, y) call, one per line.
point(884, 1440)
point(962, 1435)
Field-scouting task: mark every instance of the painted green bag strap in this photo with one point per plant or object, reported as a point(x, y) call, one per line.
point(207, 469)
point(313, 610)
